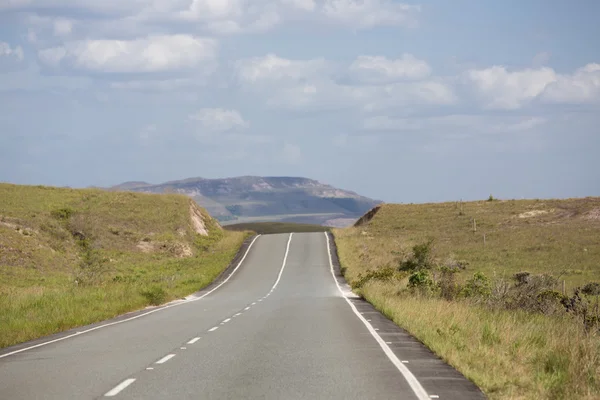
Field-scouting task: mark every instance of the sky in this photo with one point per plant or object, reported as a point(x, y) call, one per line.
point(422, 101)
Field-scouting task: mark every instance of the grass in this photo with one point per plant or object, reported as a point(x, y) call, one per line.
point(73, 257)
point(509, 354)
point(265, 228)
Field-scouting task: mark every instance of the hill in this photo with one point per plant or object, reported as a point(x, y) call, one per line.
point(72, 257)
point(505, 291)
point(276, 199)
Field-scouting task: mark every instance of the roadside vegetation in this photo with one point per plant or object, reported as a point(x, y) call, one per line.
point(505, 291)
point(265, 228)
point(73, 257)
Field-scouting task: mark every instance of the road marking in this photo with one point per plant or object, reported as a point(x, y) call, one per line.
point(388, 342)
point(149, 368)
point(194, 340)
point(213, 329)
point(410, 378)
point(237, 315)
point(119, 387)
point(287, 251)
point(246, 309)
point(404, 362)
point(165, 359)
point(253, 304)
point(434, 396)
point(226, 320)
point(141, 315)
point(183, 348)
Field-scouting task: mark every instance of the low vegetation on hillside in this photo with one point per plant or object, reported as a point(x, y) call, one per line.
point(505, 291)
point(265, 228)
point(72, 257)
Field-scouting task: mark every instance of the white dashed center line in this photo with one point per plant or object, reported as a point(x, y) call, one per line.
point(165, 359)
point(246, 309)
point(213, 329)
point(238, 314)
point(194, 340)
point(227, 320)
point(119, 387)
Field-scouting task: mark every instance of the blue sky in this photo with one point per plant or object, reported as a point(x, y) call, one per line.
point(400, 101)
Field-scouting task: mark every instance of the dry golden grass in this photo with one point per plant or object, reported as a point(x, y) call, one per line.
point(509, 354)
point(562, 240)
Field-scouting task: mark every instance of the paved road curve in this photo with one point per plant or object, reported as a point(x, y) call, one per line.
point(278, 328)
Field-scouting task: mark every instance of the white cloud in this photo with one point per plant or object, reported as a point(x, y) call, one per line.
point(502, 89)
point(7, 51)
point(378, 69)
point(370, 13)
point(218, 119)
point(313, 84)
point(151, 54)
point(273, 68)
point(580, 87)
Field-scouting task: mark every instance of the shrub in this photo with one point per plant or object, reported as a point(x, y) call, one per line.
point(420, 259)
point(449, 288)
point(155, 295)
point(62, 213)
point(383, 274)
point(591, 289)
point(550, 302)
point(420, 280)
point(478, 286)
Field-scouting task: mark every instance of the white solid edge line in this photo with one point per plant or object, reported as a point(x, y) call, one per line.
point(194, 340)
point(137, 316)
point(410, 378)
point(287, 250)
point(117, 389)
point(165, 359)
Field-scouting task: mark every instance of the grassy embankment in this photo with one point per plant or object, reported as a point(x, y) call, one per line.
point(514, 339)
point(73, 257)
point(265, 228)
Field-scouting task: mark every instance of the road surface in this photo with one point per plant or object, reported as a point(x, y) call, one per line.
point(281, 326)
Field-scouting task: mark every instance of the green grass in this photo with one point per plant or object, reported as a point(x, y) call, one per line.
point(509, 354)
point(73, 257)
point(265, 228)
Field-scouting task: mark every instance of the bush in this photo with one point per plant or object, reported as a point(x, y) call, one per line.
point(383, 274)
point(449, 289)
point(155, 295)
point(420, 280)
point(478, 286)
point(62, 213)
point(591, 289)
point(420, 259)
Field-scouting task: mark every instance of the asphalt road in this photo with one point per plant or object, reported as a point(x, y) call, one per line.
point(280, 327)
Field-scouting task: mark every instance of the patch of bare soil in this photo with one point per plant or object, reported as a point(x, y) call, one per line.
point(533, 213)
point(145, 247)
point(197, 220)
point(593, 215)
point(368, 216)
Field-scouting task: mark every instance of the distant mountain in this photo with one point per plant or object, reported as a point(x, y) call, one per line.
point(254, 198)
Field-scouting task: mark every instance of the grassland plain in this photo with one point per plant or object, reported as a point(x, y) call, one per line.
point(73, 257)
point(510, 354)
point(265, 228)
